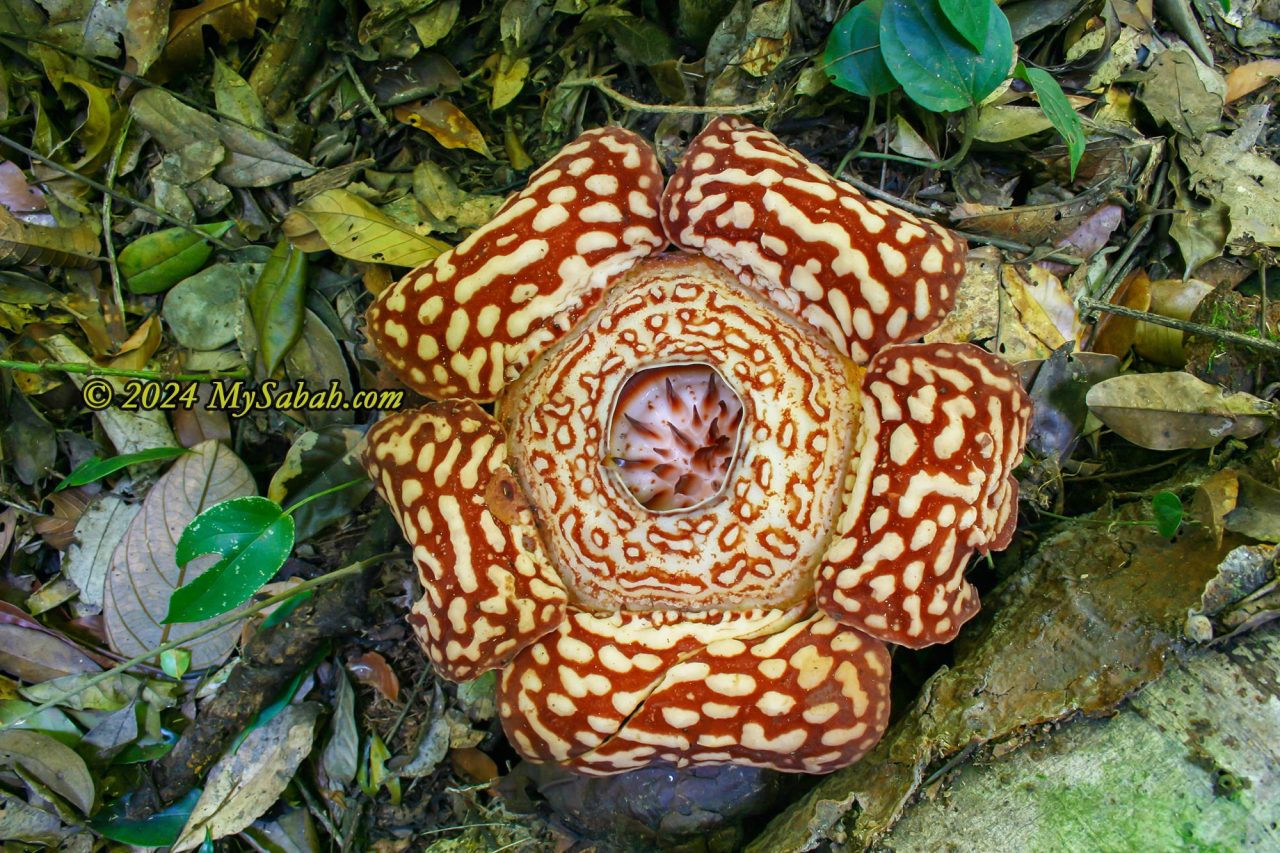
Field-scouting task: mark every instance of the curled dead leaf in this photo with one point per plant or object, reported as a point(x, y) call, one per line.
point(372, 670)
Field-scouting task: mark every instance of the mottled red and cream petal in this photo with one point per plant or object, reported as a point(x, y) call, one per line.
point(810, 698)
point(859, 271)
point(489, 589)
point(944, 426)
point(473, 319)
point(569, 692)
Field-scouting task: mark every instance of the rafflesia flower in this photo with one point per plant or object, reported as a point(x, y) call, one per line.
point(693, 519)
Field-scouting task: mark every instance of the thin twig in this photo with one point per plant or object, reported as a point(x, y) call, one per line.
point(209, 628)
point(107, 191)
point(1226, 336)
point(364, 93)
point(600, 84)
point(94, 370)
point(117, 288)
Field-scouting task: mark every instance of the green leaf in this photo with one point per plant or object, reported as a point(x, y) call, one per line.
point(937, 68)
point(1058, 109)
point(253, 538)
point(277, 303)
point(175, 662)
point(853, 59)
point(96, 468)
point(970, 18)
point(159, 260)
point(159, 830)
point(1167, 509)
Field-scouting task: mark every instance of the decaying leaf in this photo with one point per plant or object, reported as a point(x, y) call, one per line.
point(1256, 513)
point(23, 245)
point(1169, 298)
point(1228, 170)
point(317, 461)
point(1174, 411)
point(447, 124)
point(52, 763)
point(247, 781)
point(130, 431)
point(230, 19)
point(202, 310)
point(251, 159)
point(144, 572)
point(35, 655)
point(1251, 77)
point(342, 752)
point(1184, 93)
point(97, 533)
point(354, 228)
point(372, 670)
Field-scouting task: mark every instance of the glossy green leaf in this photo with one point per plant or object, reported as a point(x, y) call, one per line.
point(1167, 509)
point(95, 468)
point(1058, 109)
point(937, 68)
point(159, 830)
point(251, 535)
point(277, 303)
point(853, 59)
point(970, 18)
point(156, 262)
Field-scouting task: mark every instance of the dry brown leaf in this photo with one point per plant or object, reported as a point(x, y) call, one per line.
point(57, 529)
point(473, 765)
point(230, 19)
point(140, 346)
point(36, 656)
point(144, 572)
point(1176, 411)
point(1251, 77)
point(372, 670)
point(198, 423)
point(447, 124)
point(25, 245)
point(1173, 298)
point(1214, 499)
point(1113, 335)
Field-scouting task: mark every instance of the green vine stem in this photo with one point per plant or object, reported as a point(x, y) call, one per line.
point(212, 626)
point(94, 370)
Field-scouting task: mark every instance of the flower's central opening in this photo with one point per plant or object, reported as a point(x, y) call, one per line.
point(674, 434)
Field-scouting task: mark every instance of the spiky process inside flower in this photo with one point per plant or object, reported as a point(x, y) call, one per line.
point(673, 435)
